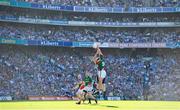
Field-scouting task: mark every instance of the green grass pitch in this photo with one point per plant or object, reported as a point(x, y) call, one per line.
point(102, 105)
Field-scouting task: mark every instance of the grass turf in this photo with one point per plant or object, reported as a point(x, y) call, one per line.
point(102, 105)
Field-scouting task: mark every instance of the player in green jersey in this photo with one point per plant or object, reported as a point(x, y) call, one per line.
point(87, 78)
point(99, 61)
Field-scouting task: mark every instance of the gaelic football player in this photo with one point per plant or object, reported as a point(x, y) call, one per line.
point(99, 61)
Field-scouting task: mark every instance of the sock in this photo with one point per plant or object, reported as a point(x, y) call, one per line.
point(89, 100)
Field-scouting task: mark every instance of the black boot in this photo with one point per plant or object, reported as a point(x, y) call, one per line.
point(89, 101)
point(78, 102)
point(104, 95)
point(96, 101)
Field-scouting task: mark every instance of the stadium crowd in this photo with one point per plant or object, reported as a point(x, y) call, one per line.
point(51, 71)
point(111, 3)
point(17, 13)
point(88, 34)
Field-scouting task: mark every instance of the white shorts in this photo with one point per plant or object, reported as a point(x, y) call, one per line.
point(102, 73)
point(88, 88)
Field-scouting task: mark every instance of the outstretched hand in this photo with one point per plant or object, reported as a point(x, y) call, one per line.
point(99, 51)
point(97, 46)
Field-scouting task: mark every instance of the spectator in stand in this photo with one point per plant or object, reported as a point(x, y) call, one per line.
point(110, 3)
point(48, 71)
point(8, 12)
point(88, 34)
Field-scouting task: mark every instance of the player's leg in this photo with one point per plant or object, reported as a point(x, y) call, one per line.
point(89, 92)
point(101, 83)
point(91, 97)
point(88, 98)
point(104, 88)
point(84, 95)
point(80, 96)
point(101, 78)
point(86, 90)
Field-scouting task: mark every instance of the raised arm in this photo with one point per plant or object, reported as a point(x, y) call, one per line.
point(99, 51)
point(95, 56)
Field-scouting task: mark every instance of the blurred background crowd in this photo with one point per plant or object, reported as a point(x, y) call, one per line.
point(52, 33)
point(132, 74)
point(51, 71)
point(111, 3)
point(11, 12)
